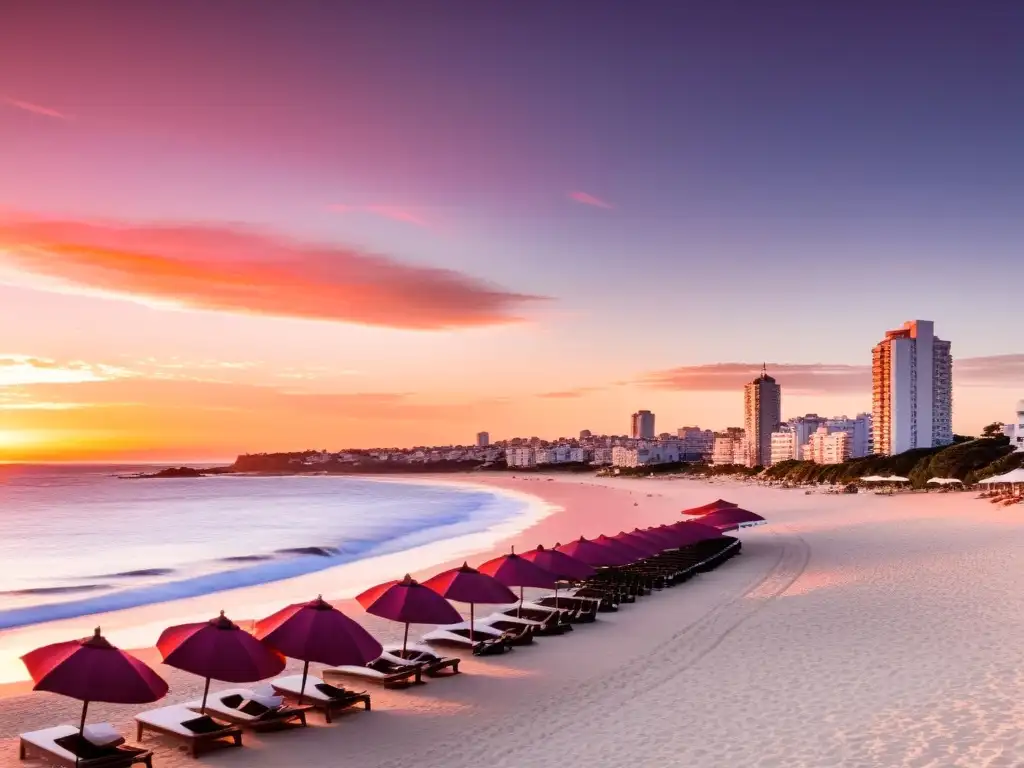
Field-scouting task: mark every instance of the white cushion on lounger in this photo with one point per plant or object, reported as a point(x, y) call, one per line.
point(46, 740)
point(101, 734)
point(170, 718)
point(264, 689)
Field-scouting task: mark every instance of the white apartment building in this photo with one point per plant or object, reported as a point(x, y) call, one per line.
point(784, 445)
point(1015, 431)
point(695, 443)
point(730, 448)
point(827, 447)
point(645, 454)
point(912, 389)
point(483, 439)
point(578, 455)
point(859, 431)
point(602, 456)
point(762, 409)
point(520, 457)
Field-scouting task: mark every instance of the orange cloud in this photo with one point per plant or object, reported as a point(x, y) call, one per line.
point(588, 199)
point(568, 394)
point(36, 109)
point(236, 270)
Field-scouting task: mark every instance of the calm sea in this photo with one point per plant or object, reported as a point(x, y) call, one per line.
point(78, 540)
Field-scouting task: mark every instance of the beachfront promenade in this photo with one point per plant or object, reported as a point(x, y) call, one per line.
point(852, 631)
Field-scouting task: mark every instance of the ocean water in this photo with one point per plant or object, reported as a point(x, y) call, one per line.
point(76, 541)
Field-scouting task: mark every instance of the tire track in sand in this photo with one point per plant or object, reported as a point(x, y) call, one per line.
point(666, 662)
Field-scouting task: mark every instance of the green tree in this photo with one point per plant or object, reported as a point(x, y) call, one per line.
point(992, 430)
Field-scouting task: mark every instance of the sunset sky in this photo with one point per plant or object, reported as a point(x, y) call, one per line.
point(237, 226)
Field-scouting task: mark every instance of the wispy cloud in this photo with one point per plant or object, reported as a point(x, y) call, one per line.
point(244, 271)
point(35, 109)
point(718, 377)
point(587, 199)
point(19, 370)
point(403, 214)
point(568, 394)
point(826, 378)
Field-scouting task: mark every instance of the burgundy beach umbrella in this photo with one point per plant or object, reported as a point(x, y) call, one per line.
point(515, 571)
point(649, 547)
point(634, 554)
point(707, 508)
point(218, 649)
point(655, 536)
point(468, 585)
point(731, 519)
point(594, 554)
point(409, 602)
point(562, 566)
point(317, 631)
point(687, 533)
point(93, 670)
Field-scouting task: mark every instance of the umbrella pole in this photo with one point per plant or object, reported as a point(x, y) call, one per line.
point(405, 639)
point(302, 688)
point(519, 610)
point(471, 622)
point(81, 726)
point(206, 692)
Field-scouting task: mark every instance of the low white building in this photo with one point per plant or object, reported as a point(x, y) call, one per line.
point(827, 447)
point(859, 430)
point(520, 457)
point(730, 447)
point(784, 445)
point(602, 456)
point(1015, 430)
point(695, 443)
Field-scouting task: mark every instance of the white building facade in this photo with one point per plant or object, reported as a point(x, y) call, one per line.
point(827, 447)
point(859, 431)
point(520, 457)
point(784, 445)
point(1015, 431)
point(912, 390)
point(730, 448)
point(696, 444)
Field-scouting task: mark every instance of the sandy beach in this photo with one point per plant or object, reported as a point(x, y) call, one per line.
point(856, 631)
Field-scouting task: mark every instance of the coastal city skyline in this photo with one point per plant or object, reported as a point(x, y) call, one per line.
point(523, 244)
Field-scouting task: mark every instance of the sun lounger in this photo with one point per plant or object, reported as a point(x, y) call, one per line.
point(63, 745)
point(389, 674)
point(486, 641)
point(243, 706)
point(431, 664)
point(181, 723)
point(518, 629)
point(550, 621)
point(322, 696)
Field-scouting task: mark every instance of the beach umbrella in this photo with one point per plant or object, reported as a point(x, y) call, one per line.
point(730, 519)
point(317, 631)
point(468, 585)
point(635, 555)
point(218, 649)
point(649, 547)
point(690, 532)
point(595, 554)
point(409, 602)
point(712, 507)
point(564, 567)
point(655, 536)
point(515, 571)
point(93, 670)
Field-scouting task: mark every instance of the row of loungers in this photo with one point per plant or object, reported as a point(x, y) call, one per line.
point(230, 712)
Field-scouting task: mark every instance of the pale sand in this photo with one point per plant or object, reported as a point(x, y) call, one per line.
point(852, 631)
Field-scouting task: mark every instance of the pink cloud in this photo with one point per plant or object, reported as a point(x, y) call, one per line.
point(36, 109)
point(393, 212)
point(588, 199)
point(236, 270)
